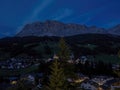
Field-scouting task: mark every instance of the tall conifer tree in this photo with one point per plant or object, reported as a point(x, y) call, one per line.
point(57, 79)
point(64, 52)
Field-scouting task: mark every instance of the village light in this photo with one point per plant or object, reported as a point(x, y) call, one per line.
point(14, 82)
point(55, 56)
point(100, 88)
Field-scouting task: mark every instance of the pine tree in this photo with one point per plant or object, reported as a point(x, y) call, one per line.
point(64, 52)
point(57, 78)
point(64, 56)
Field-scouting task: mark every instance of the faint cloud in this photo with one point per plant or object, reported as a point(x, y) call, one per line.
point(86, 17)
point(43, 5)
point(63, 13)
point(111, 24)
point(6, 33)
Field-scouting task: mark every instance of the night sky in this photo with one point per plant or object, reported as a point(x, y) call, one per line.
point(16, 13)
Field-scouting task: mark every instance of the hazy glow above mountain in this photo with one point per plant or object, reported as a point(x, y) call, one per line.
point(15, 13)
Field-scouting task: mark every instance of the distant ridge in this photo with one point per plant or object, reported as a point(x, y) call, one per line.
point(55, 28)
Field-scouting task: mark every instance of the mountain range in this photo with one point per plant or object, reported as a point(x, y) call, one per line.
point(55, 28)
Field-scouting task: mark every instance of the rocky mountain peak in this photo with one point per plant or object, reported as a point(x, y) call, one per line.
point(115, 30)
point(55, 28)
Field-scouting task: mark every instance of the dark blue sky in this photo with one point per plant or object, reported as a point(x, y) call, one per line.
point(16, 13)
